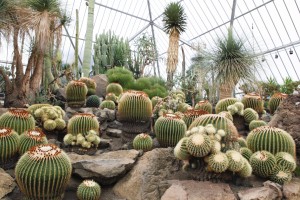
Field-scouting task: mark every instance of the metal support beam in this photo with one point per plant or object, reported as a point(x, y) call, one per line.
point(232, 13)
point(139, 32)
point(73, 45)
point(277, 48)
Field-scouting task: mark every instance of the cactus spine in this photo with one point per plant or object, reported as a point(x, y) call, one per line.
point(286, 161)
point(250, 115)
point(83, 123)
point(142, 142)
point(76, 92)
point(191, 115)
point(199, 145)
point(90, 84)
point(253, 101)
point(9, 144)
point(263, 163)
point(218, 162)
point(180, 150)
point(88, 190)
point(256, 123)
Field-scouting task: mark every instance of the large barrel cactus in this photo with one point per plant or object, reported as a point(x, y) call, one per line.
point(190, 115)
point(93, 101)
point(224, 103)
point(204, 105)
point(31, 138)
point(115, 88)
point(271, 139)
point(76, 92)
point(169, 129)
point(9, 145)
point(83, 123)
point(91, 85)
point(142, 142)
point(88, 190)
point(254, 101)
point(43, 172)
point(275, 101)
point(134, 106)
point(18, 119)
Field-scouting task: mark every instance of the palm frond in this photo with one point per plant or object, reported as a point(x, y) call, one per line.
point(174, 17)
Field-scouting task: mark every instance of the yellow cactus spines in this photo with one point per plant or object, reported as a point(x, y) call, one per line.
point(254, 101)
point(76, 92)
point(31, 138)
point(204, 105)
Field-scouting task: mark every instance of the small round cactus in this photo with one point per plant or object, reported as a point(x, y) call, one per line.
point(224, 103)
point(236, 161)
point(111, 97)
point(93, 101)
point(218, 162)
point(250, 115)
point(199, 145)
point(180, 150)
point(31, 138)
point(18, 119)
point(34, 107)
point(204, 105)
point(90, 84)
point(215, 147)
point(43, 172)
point(246, 171)
point(183, 107)
point(108, 104)
point(226, 114)
point(254, 101)
point(115, 88)
point(256, 123)
point(76, 92)
point(246, 152)
point(88, 190)
point(9, 144)
point(281, 176)
point(49, 125)
point(60, 123)
point(83, 123)
point(142, 142)
point(263, 163)
point(242, 142)
point(155, 100)
point(190, 115)
point(169, 129)
point(275, 101)
point(286, 161)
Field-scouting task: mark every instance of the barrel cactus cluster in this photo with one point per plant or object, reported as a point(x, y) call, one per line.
point(143, 142)
point(9, 145)
point(254, 101)
point(275, 101)
point(90, 84)
point(76, 92)
point(204, 105)
point(88, 190)
point(224, 103)
point(31, 138)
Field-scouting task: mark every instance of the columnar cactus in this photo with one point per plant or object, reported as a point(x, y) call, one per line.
point(169, 129)
point(271, 139)
point(253, 101)
point(199, 145)
point(93, 101)
point(108, 104)
point(190, 115)
point(83, 123)
point(250, 115)
point(18, 119)
point(256, 123)
point(224, 103)
point(43, 172)
point(9, 144)
point(263, 163)
point(180, 150)
point(142, 142)
point(31, 138)
point(115, 88)
point(218, 162)
point(76, 92)
point(134, 106)
point(204, 105)
point(90, 84)
point(88, 190)
point(275, 101)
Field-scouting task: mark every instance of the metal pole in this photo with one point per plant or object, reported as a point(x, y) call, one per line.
point(72, 43)
point(232, 13)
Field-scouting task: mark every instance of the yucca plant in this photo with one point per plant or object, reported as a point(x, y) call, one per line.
point(174, 19)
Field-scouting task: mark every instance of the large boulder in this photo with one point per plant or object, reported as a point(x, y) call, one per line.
point(106, 168)
point(291, 190)
point(7, 183)
point(146, 177)
point(101, 81)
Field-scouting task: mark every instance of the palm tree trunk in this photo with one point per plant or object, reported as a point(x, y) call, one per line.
point(226, 91)
point(88, 40)
point(172, 56)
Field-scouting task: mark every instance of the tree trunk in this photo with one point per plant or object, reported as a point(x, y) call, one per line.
point(172, 56)
point(225, 91)
point(15, 98)
point(35, 80)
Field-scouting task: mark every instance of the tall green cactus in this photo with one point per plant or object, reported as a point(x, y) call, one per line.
point(88, 190)
point(115, 88)
point(254, 101)
point(142, 142)
point(204, 105)
point(17, 119)
point(275, 101)
point(9, 144)
point(83, 123)
point(191, 115)
point(134, 106)
point(224, 103)
point(76, 92)
point(31, 138)
point(90, 84)
point(169, 129)
point(43, 172)
point(271, 139)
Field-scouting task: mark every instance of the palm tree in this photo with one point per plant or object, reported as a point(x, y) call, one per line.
point(232, 62)
point(174, 24)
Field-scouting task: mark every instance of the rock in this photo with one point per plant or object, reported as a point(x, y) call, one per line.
point(270, 191)
point(87, 110)
point(61, 94)
point(104, 143)
point(101, 81)
point(111, 114)
point(198, 190)
point(291, 190)
point(7, 183)
point(115, 124)
point(106, 168)
point(143, 181)
point(113, 132)
point(3, 110)
point(103, 126)
point(102, 116)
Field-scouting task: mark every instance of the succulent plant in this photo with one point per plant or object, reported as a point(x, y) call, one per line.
point(271, 139)
point(60, 124)
point(115, 88)
point(218, 162)
point(142, 142)
point(226, 114)
point(88, 190)
point(232, 109)
point(190, 115)
point(108, 104)
point(240, 108)
point(275, 101)
point(183, 107)
point(90, 84)
point(49, 125)
point(111, 97)
point(286, 161)
point(93, 101)
point(34, 107)
point(83, 123)
point(281, 175)
point(169, 129)
point(256, 123)
point(250, 115)
point(224, 103)
point(199, 145)
point(76, 92)
point(235, 160)
point(180, 150)
point(18, 119)
point(242, 142)
point(263, 163)
point(134, 106)
point(43, 172)
point(254, 101)
point(246, 152)
point(9, 144)
point(155, 100)
point(31, 138)
point(204, 105)
point(246, 171)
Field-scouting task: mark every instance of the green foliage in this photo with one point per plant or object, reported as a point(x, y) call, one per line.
point(76, 92)
point(250, 115)
point(9, 144)
point(218, 162)
point(271, 139)
point(174, 17)
point(91, 85)
point(120, 75)
point(114, 88)
point(43, 172)
point(180, 150)
point(256, 123)
point(275, 101)
point(142, 142)
point(204, 105)
point(169, 129)
point(224, 103)
point(31, 138)
point(269, 87)
point(289, 85)
point(93, 101)
point(263, 163)
point(88, 190)
point(83, 123)
point(253, 101)
point(199, 145)
point(108, 104)
point(19, 120)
